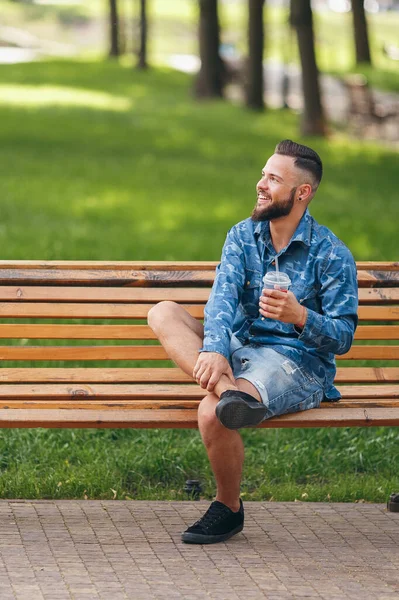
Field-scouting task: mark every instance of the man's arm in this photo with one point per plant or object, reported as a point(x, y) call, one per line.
point(227, 288)
point(333, 330)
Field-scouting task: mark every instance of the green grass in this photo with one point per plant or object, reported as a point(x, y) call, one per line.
point(139, 168)
point(308, 465)
point(98, 162)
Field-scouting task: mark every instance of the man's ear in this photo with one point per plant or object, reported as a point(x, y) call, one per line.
point(304, 192)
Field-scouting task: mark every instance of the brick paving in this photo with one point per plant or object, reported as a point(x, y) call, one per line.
point(86, 550)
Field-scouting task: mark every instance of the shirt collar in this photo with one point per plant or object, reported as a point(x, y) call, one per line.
point(303, 232)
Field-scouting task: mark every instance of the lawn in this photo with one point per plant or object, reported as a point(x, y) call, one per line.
point(98, 162)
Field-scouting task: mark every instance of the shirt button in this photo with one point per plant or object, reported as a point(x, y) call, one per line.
point(248, 283)
point(273, 262)
point(262, 318)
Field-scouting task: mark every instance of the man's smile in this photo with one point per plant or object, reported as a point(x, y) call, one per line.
point(262, 199)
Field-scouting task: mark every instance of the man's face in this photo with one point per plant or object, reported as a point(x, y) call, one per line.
point(276, 189)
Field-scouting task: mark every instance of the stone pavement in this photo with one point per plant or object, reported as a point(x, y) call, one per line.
point(116, 550)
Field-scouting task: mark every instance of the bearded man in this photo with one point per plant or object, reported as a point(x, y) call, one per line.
point(264, 352)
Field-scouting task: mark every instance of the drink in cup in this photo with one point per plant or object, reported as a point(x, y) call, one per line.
point(276, 280)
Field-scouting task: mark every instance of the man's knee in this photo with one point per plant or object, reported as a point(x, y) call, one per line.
point(161, 313)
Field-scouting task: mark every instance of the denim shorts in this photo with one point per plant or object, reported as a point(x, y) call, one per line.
point(284, 386)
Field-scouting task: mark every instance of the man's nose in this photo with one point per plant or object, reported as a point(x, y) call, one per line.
point(262, 184)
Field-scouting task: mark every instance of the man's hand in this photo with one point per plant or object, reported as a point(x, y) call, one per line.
point(209, 368)
point(282, 306)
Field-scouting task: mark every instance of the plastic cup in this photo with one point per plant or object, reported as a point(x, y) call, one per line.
point(276, 280)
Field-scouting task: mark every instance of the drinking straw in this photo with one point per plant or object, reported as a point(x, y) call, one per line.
point(276, 259)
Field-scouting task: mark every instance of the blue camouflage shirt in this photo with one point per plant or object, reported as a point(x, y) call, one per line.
point(324, 280)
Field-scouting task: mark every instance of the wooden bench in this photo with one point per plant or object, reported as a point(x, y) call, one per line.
point(363, 109)
point(41, 301)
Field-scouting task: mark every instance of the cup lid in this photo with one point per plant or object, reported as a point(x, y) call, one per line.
point(277, 278)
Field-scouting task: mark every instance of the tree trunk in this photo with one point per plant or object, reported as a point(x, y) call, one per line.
point(209, 83)
point(142, 53)
point(301, 18)
point(114, 28)
point(361, 33)
point(254, 83)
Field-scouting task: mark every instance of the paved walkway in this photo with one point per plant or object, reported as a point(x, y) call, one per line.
point(83, 550)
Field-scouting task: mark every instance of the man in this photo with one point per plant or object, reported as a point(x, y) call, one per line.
point(265, 352)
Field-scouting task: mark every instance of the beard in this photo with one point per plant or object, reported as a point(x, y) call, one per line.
point(282, 208)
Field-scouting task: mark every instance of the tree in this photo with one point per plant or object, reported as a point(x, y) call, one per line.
point(209, 83)
point(142, 51)
point(301, 18)
point(361, 34)
point(114, 28)
point(254, 83)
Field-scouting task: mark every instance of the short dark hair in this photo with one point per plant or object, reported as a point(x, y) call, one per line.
point(305, 158)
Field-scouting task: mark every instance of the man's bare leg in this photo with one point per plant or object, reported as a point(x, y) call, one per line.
point(182, 336)
point(224, 447)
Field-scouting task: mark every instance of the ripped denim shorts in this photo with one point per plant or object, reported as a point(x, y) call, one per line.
point(284, 386)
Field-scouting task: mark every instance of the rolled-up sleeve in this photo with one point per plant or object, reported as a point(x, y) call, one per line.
point(221, 307)
point(333, 329)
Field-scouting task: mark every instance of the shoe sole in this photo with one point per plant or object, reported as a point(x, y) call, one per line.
point(236, 413)
point(198, 538)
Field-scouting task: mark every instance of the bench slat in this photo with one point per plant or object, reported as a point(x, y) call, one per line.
point(144, 265)
point(380, 295)
point(148, 265)
point(156, 391)
point(358, 352)
point(187, 418)
point(154, 352)
point(161, 405)
point(377, 332)
point(111, 352)
point(375, 278)
point(49, 310)
point(114, 277)
point(142, 332)
point(48, 293)
point(164, 375)
point(104, 294)
point(366, 265)
point(378, 313)
point(144, 274)
point(77, 332)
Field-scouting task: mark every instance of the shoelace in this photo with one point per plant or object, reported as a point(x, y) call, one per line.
point(214, 513)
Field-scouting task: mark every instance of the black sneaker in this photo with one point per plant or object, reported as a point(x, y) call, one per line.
point(218, 524)
point(237, 409)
